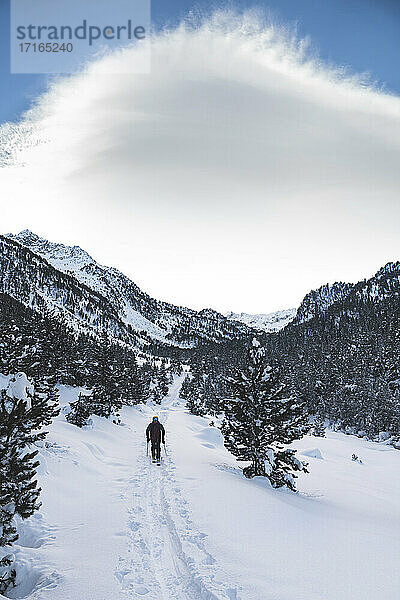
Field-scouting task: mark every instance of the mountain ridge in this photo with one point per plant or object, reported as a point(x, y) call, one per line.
point(145, 319)
point(379, 286)
point(94, 297)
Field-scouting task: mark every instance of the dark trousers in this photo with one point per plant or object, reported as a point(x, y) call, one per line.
point(155, 450)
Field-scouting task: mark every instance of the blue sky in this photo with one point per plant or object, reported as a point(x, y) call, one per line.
point(361, 34)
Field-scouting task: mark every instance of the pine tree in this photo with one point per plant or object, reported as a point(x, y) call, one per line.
point(8, 531)
point(80, 411)
point(102, 404)
point(176, 366)
point(260, 419)
point(24, 412)
point(136, 384)
point(319, 427)
point(185, 388)
point(161, 388)
point(7, 526)
point(211, 394)
point(193, 390)
point(195, 402)
point(107, 386)
point(157, 395)
point(44, 403)
point(7, 573)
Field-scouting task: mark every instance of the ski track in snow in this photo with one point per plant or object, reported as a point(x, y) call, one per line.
point(166, 558)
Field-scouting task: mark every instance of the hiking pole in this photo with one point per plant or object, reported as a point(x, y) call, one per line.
point(165, 450)
point(147, 449)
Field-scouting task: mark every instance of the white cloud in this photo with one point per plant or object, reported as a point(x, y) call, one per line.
point(239, 174)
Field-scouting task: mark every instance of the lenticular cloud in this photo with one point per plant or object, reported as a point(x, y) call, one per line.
point(236, 117)
point(224, 93)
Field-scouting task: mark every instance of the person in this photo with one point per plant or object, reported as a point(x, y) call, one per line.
point(155, 433)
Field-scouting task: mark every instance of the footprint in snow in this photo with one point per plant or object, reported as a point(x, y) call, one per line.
point(141, 590)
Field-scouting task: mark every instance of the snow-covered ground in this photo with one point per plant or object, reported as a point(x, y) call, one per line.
point(115, 526)
point(265, 322)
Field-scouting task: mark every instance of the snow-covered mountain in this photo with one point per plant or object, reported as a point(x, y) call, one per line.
point(318, 301)
point(68, 282)
point(385, 283)
point(269, 323)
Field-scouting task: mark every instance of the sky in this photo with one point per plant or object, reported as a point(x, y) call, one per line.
point(248, 168)
point(364, 35)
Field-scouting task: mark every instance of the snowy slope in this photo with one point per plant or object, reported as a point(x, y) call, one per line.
point(384, 284)
point(68, 282)
point(115, 526)
point(318, 301)
point(130, 309)
point(269, 322)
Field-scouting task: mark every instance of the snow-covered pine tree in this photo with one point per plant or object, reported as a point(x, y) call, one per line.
point(23, 413)
point(260, 419)
point(175, 366)
point(206, 383)
point(102, 404)
point(164, 379)
point(161, 388)
point(201, 394)
point(185, 388)
point(80, 411)
point(319, 427)
point(107, 391)
point(8, 531)
point(65, 359)
point(44, 403)
point(147, 371)
point(195, 402)
point(136, 386)
point(193, 391)
point(169, 371)
point(157, 395)
point(211, 396)
point(7, 572)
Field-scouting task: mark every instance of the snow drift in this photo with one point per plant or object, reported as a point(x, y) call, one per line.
point(113, 526)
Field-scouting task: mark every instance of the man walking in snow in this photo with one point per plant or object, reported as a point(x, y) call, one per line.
point(155, 433)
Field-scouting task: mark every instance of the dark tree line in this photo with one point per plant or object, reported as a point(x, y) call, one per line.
point(345, 364)
point(342, 365)
point(44, 348)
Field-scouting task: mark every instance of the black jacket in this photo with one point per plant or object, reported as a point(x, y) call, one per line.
point(155, 432)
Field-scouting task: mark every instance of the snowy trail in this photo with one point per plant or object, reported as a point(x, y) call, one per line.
point(167, 558)
point(115, 526)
